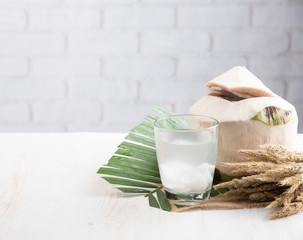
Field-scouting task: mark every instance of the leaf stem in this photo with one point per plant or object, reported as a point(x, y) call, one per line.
point(158, 188)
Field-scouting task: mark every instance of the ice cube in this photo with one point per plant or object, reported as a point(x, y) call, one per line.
point(211, 169)
point(205, 167)
point(194, 181)
point(173, 170)
point(171, 173)
point(188, 177)
point(179, 188)
point(208, 180)
point(180, 177)
point(168, 183)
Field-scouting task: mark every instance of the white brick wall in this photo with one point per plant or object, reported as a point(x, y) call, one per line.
point(139, 17)
point(67, 112)
point(285, 66)
point(139, 67)
point(29, 43)
point(107, 90)
point(85, 2)
point(251, 41)
point(171, 42)
point(32, 2)
point(207, 66)
point(66, 66)
point(11, 18)
point(278, 16)
point(121, 113)
point(294, 90)
point(20, 90)
point(213, 16)
point(64, 18)
point(297, 39)
point(100, 65)
point(13, 67)
point(101, 42)
point(14, 113)
point(171, 91)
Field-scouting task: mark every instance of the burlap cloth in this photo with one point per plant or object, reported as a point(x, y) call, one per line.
point(223, 202)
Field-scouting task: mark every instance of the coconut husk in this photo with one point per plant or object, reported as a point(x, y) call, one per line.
point(249, 115)
point(240, 82)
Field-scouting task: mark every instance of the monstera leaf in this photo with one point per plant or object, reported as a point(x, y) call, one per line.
point(134, 167)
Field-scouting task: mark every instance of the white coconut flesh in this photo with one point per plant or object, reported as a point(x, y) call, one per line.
point(246, 122)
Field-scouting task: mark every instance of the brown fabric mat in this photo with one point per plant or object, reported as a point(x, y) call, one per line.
point(223, 202)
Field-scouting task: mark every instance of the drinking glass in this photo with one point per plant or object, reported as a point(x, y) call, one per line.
point(186, 147)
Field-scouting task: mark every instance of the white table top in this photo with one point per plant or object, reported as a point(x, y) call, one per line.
point(49, 189)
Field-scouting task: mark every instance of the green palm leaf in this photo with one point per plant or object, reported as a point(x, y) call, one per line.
point(134, 164)
point(134, 167)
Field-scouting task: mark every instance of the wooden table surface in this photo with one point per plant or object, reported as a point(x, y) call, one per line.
point(49, 189)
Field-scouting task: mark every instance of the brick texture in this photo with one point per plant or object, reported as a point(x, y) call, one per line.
point(299, 109)
point(66, 66)
point(213, 16)
point(171, 91)
point(286, 66)
point(278, 16)
point(18, 90)
point(12, 18)
point(104, 43)
point(31, 43)
point(14, 113)
point(140, 67)
point(251, 41)
point(64, 18)
point(139, 17)
point(100, 65)
point(66, 112)
point(31, 127)
point(176, 42)
point(297, 41)
point(34, 2)
point(294, 90)
point(208, 66)
point(105, 90)
point(176, 1)
point(121, 113)
point(88, 2)
point(13, 66)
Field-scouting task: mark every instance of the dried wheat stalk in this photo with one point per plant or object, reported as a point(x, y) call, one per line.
point(272, 175)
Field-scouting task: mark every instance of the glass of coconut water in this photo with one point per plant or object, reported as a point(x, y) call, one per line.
point(186, 148)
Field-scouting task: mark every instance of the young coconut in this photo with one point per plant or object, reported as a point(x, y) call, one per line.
point(249, 115)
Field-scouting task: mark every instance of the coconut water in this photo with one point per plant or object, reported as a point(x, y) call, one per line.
point(186, 160)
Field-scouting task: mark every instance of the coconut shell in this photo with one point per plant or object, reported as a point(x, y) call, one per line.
point(249, 115)
point(238, 131)
point(240, 82)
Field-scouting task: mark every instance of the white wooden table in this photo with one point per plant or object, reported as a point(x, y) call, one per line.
point(49, 189)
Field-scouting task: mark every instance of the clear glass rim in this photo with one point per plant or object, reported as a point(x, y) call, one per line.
point(216, 122)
